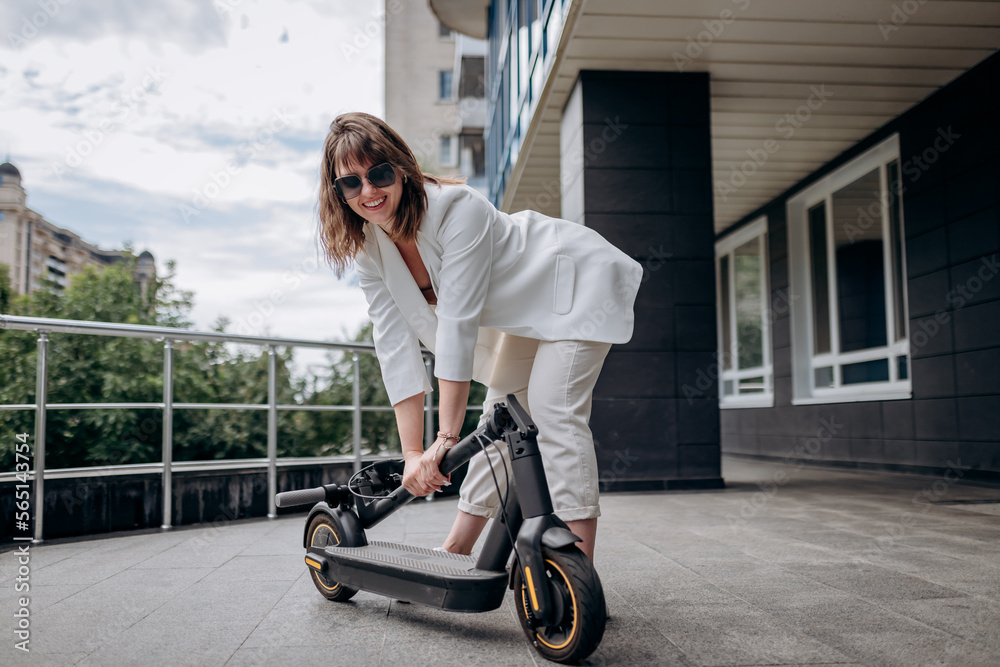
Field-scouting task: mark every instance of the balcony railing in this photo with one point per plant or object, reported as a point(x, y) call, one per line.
point(168, 336)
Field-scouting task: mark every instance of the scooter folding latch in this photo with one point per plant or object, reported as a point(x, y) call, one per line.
point(521, 417)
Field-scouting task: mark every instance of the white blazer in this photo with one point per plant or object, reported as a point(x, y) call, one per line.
point(493, 273)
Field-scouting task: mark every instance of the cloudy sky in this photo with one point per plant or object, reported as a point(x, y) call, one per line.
point(193, 129)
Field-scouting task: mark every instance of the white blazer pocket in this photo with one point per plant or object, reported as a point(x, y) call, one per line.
point(562, 300)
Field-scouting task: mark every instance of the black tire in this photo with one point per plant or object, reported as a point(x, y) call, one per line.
point(579, 598)
point(325, 531)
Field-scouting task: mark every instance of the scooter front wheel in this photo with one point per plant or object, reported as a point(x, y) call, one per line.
point(325, 531)
point(579, 607)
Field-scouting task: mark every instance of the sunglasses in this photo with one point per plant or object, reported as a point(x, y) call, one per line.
point(350, 186)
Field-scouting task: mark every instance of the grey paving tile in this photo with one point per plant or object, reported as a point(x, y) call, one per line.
point(98, 613)
point(179, 642)
point(12, 656)
point(806, 578)
point(245, 570)
point(39, 597)
point(212, 600)
point(191, 554)
point(355, 655)
point(970, 619)
point(85, 569)
point(308, 619)
point(630, 638)
point(734, 632)
point(438, 637)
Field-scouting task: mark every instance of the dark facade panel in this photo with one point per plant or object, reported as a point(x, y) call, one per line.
point(924, 211)
point(928, 293)
point(926, 253)
point(931, 336)
point(951, 211)
point(979, 418)
point(647, 187)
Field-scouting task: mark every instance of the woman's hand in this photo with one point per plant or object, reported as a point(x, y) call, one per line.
point(422, 475)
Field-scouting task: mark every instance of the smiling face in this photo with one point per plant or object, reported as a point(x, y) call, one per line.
point(377, 205)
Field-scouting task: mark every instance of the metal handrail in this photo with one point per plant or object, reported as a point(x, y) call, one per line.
point(44, 326)
point(145, 331)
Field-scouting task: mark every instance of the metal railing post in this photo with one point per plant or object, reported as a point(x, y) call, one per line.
point(41, 398)
point(168, 433)
point(357, 412)
point(429, 434)
point(272, 431)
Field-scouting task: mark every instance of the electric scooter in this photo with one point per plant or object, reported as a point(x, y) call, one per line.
point(557, 594)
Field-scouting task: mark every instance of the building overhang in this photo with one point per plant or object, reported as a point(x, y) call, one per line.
point(853, 65)
point(469, 17)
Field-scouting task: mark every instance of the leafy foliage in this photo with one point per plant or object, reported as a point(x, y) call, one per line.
point(103, 369)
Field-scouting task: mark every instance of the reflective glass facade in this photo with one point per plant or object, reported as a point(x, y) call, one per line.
point(522, 36)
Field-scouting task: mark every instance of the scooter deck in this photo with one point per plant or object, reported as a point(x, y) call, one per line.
point(414, 574)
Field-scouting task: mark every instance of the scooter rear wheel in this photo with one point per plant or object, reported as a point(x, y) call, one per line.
point(325, 531)
point(579, 603)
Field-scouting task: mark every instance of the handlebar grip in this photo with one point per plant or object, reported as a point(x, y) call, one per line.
point(300, 497)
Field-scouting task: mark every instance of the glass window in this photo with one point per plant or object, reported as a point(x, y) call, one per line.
point(820, 281)
point(447, 149)
point(444, 31)
point(898, 257)
point(849, 337)
point(749, 302)
point(444, 85)
point(858, 263)
point(744, 327)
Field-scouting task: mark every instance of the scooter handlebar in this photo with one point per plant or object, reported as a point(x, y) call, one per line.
point(300, 497)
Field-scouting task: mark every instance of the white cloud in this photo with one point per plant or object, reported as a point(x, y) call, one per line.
point(126, 113)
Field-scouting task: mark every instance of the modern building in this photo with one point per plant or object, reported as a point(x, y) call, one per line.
point(812, 188)
point(435, 91)
point(35, 249)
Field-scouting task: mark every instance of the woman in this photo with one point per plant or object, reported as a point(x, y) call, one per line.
point(523, 303)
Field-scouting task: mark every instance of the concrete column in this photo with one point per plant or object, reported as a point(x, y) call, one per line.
point(636, 166)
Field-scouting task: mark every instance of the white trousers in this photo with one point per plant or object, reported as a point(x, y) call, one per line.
point(554, 381)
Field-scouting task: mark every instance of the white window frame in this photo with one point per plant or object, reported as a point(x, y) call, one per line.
point(804, 362)
point(726, 247)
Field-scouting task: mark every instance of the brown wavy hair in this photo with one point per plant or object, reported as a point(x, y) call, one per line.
point(359, 138)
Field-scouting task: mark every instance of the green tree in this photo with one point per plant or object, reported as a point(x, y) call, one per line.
point(6, 291)
point(102, 369)
point(92, 369)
